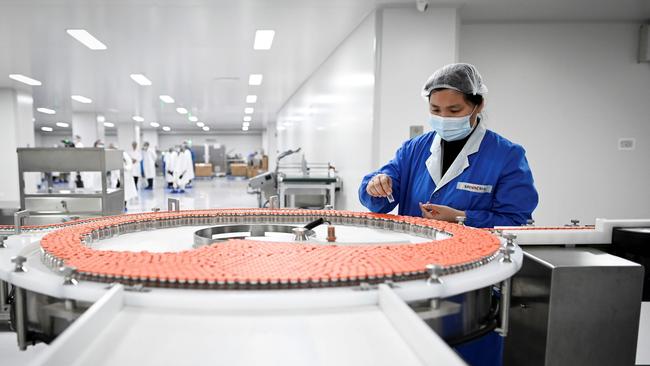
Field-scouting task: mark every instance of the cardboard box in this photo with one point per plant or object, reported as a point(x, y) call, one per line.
point(203, 170)
point(238, 170)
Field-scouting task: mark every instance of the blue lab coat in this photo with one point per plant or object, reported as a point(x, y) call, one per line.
point(490, 180)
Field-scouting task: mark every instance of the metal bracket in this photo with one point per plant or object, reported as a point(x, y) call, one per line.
point(504, 308)
point(365, 286)
point(173, 204)
point(18, 261)
point(18, 220)
point(434, 271)
point(68, 275)
point(138, 287)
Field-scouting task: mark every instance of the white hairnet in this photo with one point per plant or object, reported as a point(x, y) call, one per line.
point(464, 78)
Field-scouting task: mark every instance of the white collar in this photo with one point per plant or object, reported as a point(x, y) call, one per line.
point(434, 162)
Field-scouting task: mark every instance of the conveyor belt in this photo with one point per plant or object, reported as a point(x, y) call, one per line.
point(247, 264)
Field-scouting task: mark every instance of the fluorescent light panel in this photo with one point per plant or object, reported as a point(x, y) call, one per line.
point(63, 124)
point(167, 99)
point(249, 110)
point(82, 99)
point(251, 99)
point(140, 79)
point(154, 124)
point(206, 128)
point(193, 118)
point(109, 124)
point(86, 39)
point(200, 124)
point(246, 124)
point(255, 79)
point(263, 39)
point(166, 128)
point(138, 119)
point(25, 79)
point(46, 110)
point(181, 110)
point(244, 128)
point(248, 118)
point(47, 129)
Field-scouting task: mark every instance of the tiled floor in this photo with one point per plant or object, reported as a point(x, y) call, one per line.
point(205, 193)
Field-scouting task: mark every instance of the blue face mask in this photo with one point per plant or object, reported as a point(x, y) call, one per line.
point(451, 128)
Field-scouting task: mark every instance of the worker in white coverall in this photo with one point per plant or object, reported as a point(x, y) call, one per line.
point(182, 169)
point(136, 157)
point(168, 160)
point(149, 163)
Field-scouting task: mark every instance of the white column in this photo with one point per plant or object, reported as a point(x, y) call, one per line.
point(126, 134)
point(270, 143)
point(410, 46)
point(17, 126)
point(84, 124)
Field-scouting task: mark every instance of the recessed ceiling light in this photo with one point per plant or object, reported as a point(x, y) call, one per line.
point(167, 99)
point(251, 99)
point(181, 110)
point(248, 118)
point(109, 124)
point(140, 79)
point(101, 119)
point(82, 99)
point(244, 128)
point(200, 124)
point(25, 79)
point(193, 118)
point(86, 38)
point(154, 124)
point(246, 124)
point(249, 110)
point(167, 128)
point(138, 119)
point(206, 128)
point(263, 39)
point(46, 110)
point(255, 79)
point(47, 129)
point(63, 124)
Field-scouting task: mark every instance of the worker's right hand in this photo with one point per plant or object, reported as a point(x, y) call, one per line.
point(381, 185)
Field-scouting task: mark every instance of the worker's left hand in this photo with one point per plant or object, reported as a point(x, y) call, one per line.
point(440, 212)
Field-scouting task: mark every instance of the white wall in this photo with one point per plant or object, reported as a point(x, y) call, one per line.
point(567, 93)
point(242, 144)
point(330, 116)
point(413, 45)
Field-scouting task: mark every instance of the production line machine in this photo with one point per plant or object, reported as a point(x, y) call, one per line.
point(322, 287)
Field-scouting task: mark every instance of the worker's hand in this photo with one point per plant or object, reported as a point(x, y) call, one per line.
point(380, 185)
point(440, 212)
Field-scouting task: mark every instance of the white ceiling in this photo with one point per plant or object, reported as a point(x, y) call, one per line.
point(200, 51)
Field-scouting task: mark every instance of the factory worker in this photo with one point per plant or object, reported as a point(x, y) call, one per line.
point(168, 166)
point(149, 163)
point(188, 155)
point(182, 168)
point(460, 169)
point(130, 191)
point(136, 158)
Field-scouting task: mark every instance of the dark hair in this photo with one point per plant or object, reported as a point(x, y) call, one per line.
point(474, 99)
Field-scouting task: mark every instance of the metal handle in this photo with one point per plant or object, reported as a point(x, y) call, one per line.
point(18, 220)
point(173, 204)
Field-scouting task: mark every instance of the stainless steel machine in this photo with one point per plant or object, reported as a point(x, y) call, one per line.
point(54, 203)
point(302, 185)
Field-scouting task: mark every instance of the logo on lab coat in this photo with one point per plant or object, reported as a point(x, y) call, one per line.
point(477, 188)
